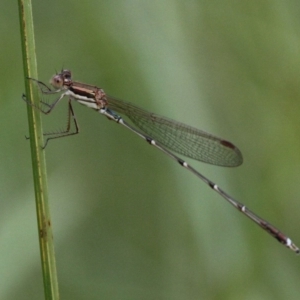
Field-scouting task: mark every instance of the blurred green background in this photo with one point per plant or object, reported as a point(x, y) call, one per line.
point(128, 222)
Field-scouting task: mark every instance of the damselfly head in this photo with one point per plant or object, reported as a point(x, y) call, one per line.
point(61, 80)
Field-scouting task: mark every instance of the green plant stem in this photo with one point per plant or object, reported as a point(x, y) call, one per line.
point(37, 154)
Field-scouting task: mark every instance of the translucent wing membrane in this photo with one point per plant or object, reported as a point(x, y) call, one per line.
point(179, 137)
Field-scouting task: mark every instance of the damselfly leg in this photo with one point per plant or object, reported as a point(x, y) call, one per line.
point(45, 90)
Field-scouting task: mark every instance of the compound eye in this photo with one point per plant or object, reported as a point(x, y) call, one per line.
point(66, 74)
point(56, 81)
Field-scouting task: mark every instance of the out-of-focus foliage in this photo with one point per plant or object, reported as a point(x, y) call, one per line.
point(128, 222)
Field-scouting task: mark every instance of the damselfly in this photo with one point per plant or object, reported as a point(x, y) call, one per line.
point(163, 133)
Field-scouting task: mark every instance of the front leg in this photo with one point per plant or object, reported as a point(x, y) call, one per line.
point(45, 90)
point(43, 87)
point(50, 106)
